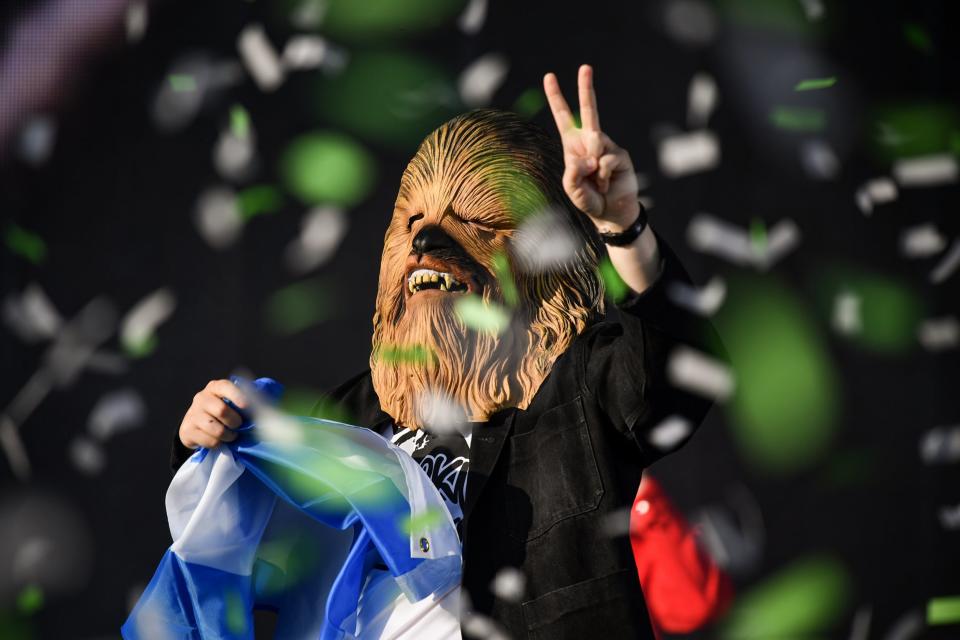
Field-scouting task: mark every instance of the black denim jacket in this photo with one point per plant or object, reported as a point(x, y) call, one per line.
point(546, 483)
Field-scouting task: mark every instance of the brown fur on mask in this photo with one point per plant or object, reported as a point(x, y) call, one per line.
point(477, 177)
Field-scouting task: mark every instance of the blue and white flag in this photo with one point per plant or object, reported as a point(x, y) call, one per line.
point(329, 525)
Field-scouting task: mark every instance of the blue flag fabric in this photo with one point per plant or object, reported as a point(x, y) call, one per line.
point(293, 516)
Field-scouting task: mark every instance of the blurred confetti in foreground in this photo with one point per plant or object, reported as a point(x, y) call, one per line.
point(685, 153)
point(926, 171)
point(937, 334)
point(139, 325)
point(441, 414)
point(509, 584)
point(37, 139)
point(25, 243)
point(114, 413)
point(322, 229)
point(201, 79)
point(544, 242)
point(136, 20)
point(697, 372)
point(874, 192)
point(709, 234)
point(733, 531)
point(328, 168)
point(482, 78)
point(805, 599)
point(948, 264)
point(922, 241)
point(479, 315)
point(260, 58)
point(31, 316)
point(667, 435)
point(298, 306)
point(235, 152)
point(704, 301)
point(472, 18)
point(217, 217)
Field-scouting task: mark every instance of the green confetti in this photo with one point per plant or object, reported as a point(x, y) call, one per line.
point(25, 244)
point(297, 307)
point(182, 82)
point(328, 409)
point(140, 348)
point(804, 600)
point(815, 83)
point(490, 318)
point(917, 129)
point(239, 121)
point(785, 407)
point(405, 354)
point(918, 37)
point(615, 287)
point(944, 610)
point(427, 519)
point(327, 167)
point(530, 102)
point(501, 269)
point(373, 21)
point(798, 119)
point(758, 236)
point(30, 599)
point(258, 199)
point(235, 612)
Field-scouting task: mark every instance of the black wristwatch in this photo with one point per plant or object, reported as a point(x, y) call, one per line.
point(628, 235)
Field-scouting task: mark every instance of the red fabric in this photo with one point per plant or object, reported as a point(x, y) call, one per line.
point(683, 587)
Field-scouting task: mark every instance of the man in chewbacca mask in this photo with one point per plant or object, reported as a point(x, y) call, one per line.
point(493, 364)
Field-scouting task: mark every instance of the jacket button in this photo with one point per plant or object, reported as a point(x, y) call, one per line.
point(424, 545)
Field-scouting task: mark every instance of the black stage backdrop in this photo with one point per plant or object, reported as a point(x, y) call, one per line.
point(826, 483)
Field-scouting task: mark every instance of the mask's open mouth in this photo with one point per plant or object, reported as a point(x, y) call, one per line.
point(426, 279)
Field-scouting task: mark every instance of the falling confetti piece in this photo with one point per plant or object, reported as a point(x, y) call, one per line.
point(922, 241)
point(926, 171)
point(950, 517)
point(846, 313)
point(239, 121)
point(420, 522)
point(800, 119)
point(136, 21)
point(529, 103)
point(819, 160)
point(37, 139)
point(504, 275)
point(259, 199)
point(481, 316)
point(699, 373)
point(876, 191)
point(509, 584)
point(701, 100)
point(482, 78)
point(543, 242)
point(260, 58)
point(298, 306)
point(234, 156)
point(691, 22)
point(30, 600)
point(473, 17)
point(815, 83)
point(25, 244)
point(139, 325)
point(116, 412)
point(87, 455)
point(328, 168)
point(31, 316)
point(703, 301)
point(442, 414)
point(322, 230)
point(687, 153)
point(217, 217)
point(613, 284)
point(943, 610)
point(940, 445)
point(405, 354)
point(937, 334)
point(668, 435)
point(947, 265)
point(182, 83)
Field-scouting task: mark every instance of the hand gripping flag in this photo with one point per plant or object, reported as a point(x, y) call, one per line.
point(295, 516)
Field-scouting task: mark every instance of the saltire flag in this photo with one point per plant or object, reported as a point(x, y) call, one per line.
point(329, 525)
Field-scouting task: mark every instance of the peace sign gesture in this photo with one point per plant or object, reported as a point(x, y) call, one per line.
point(598, 175)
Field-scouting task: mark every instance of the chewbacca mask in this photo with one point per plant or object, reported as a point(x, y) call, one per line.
point(472, 184)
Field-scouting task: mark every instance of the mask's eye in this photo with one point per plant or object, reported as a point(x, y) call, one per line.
point(413, 219)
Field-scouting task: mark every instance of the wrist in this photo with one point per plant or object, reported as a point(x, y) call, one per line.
point(620, 220)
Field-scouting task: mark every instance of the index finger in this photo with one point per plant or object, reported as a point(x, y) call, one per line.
point(226, 389)
point(588, 99)
point(558, 105)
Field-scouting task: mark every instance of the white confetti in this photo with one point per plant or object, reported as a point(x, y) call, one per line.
point(441, 414)
point(861, 624)
point(667, 435)
point(690, 22)
point(813, 9)
point(473, 17)
point(687, 153)
point(922, 241)
point(819, 160)
point(141, 322)
point(116, 412)
point(940, 445)
point(234, 156)
point(37, 139)
point(217, 217)
point(846, 313)
point(701, 100)
point(937, 334)
point(32, 317)
point(482, 78)
point(87, 455)
point(260, 58)
point(950, 517)
point(782, 238)
point(308, 52)
point(322, 230)
point(699, 373)
point(710, 234)
point(704, 301)
point(136, 21)
point(947, 265)
point(876, 191)
point(544, 242)
point(926, 171)
point(509, 584)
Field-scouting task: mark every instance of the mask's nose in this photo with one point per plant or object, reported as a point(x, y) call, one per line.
point(432, 238)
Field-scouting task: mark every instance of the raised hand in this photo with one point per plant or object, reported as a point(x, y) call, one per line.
point(598, 175)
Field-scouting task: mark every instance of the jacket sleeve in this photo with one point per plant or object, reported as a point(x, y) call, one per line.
point(624, 365)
